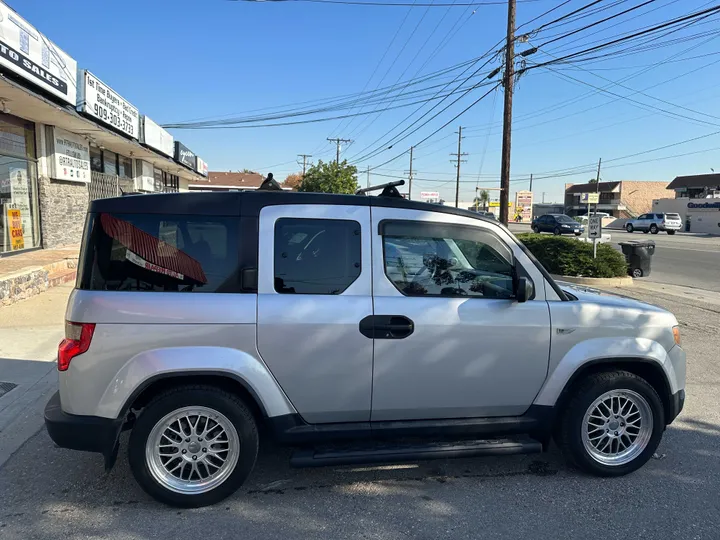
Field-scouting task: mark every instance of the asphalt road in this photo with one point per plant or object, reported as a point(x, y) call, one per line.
point(682, 259)
point(47, 492)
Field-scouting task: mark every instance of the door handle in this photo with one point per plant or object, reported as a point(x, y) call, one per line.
point(386, 327)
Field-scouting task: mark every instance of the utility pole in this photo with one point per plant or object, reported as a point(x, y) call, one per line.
point(543, 199)
point(508, 79)
point(304, 156)
point(410, 175)
point(368, 176)
point(530, 182)
point(338, 142)
point(458, 160)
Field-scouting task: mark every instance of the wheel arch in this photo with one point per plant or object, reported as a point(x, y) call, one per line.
point(648, 369)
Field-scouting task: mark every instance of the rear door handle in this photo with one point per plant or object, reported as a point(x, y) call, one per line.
point(386, 327)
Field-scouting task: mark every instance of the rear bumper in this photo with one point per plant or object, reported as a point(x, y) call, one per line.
point(87, 433)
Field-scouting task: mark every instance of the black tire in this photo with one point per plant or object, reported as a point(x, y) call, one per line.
point(671, 232)
point(654, 229)
point(629, 228)
point(636, 273)
point(223, 402)
point(535, 229)
point(577, 234)
point(557, 231)
point(646, 231)
point(568, 434)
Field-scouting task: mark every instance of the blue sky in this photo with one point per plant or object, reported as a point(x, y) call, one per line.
point(183, 60)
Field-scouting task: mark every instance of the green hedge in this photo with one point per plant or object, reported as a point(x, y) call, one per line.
point(569, 257)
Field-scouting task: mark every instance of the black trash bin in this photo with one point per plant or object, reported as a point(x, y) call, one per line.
point(638, 256)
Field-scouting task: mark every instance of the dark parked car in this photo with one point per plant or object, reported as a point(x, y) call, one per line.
point(557, 224)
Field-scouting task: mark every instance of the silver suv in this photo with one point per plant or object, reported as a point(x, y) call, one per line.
point(654, 223)
point(357, 329)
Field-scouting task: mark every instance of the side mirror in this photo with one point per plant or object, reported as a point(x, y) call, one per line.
point(524, 289)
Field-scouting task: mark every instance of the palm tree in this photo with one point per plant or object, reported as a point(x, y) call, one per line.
point(482, 199)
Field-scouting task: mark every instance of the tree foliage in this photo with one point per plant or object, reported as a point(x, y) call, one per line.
point(293, 181)
point(330, 178)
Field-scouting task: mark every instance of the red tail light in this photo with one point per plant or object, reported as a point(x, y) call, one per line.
point(77, 340)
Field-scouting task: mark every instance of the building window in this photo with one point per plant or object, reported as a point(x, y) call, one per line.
point(96, 161)
point(110, 162)
point(19, 226)
point(125, 167)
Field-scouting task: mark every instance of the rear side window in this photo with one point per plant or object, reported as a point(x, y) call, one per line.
point(316, 256)
point(160, 253)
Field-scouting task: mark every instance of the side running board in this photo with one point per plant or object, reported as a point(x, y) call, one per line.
point(395, 453)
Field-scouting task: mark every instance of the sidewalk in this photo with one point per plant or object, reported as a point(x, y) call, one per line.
point(29, 334)
point(29, 274)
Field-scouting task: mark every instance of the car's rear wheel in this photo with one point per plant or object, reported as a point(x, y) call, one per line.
point(654, 229)
point(637, 273)
point(557, 231)
point(612, 424)
point(671, 232)
point(629, 228)
point(193, 446)
point(535, 229)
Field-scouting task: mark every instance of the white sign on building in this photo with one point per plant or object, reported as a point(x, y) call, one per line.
point(155, 137)
point(35, 58)
point(71, 156)
point(102, 102)
point(201, 166)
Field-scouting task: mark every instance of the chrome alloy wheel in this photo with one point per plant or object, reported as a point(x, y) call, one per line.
point(617, 427)
point(192, 450)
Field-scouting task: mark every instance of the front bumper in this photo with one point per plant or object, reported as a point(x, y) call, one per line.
point(87, 433)
point(677, 402)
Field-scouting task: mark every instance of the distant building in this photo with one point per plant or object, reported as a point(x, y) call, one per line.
point(540, 209)
point(623, 199)
point(698, 186)
point(229, 181)
point(697, 200)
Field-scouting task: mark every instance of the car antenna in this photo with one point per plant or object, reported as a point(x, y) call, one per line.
point(388, 190)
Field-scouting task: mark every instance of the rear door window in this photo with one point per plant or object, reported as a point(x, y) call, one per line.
point(316, 256)
point(160, 253)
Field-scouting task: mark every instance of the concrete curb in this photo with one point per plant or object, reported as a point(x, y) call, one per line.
point(625, 281)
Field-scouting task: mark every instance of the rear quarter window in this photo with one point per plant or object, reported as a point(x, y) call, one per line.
point(160, 253)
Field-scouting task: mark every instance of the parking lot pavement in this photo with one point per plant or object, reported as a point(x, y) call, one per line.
point(47, 492)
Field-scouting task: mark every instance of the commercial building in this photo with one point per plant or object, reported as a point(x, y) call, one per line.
point(67, 137)
point(697, 200)
point(623, 199)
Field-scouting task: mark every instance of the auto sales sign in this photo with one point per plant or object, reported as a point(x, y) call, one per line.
point(32, 56)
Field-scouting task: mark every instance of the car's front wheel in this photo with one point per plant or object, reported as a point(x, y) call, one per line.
point(654, 229)
point(193, 446)
point(612, 424)
point(557, 231)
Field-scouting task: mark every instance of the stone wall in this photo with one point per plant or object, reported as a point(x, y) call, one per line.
point(23, 285)
point(63, 206)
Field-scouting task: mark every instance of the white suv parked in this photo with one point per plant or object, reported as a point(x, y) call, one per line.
point(654, 223)
point(392, 330)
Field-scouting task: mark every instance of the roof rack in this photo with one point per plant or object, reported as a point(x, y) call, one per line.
point(270, 184)
point(388, 190)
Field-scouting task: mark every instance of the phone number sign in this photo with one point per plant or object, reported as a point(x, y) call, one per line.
point(102, 102)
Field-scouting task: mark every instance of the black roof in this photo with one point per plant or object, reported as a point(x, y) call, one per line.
point(249, 203)
point(590, 188)
point(696, 181)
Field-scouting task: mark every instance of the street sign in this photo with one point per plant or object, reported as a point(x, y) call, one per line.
point(595, 226)
point(590, 198)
